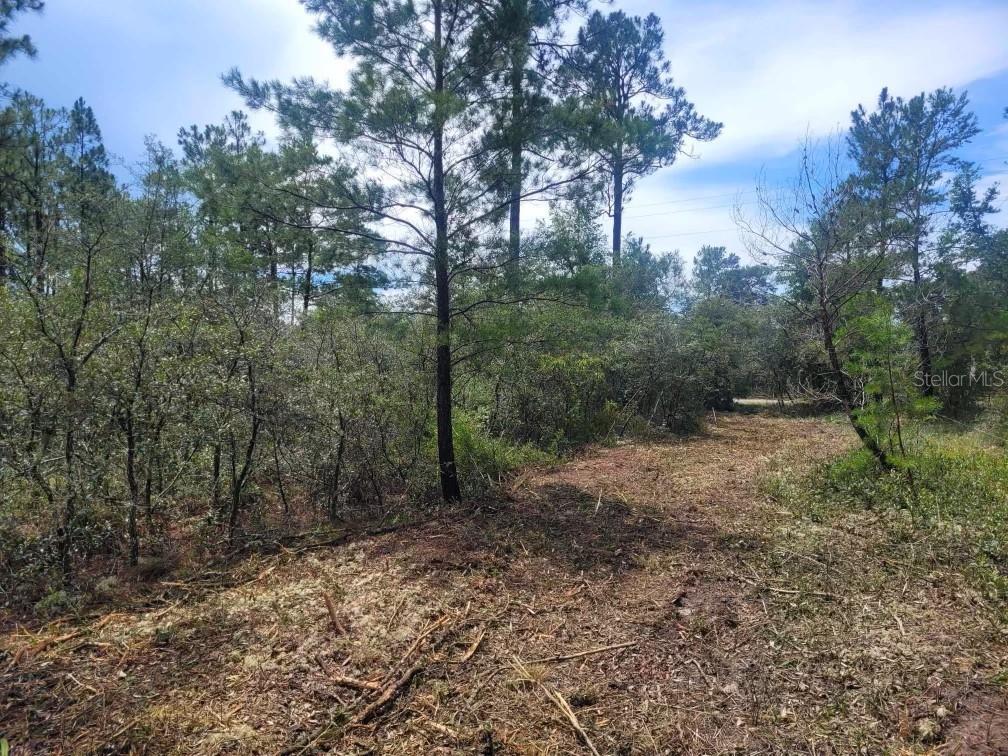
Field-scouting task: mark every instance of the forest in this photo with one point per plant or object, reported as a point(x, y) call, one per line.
point(343, 430)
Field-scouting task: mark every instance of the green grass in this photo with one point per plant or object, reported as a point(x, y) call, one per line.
point(953, 493)
point(488, 457)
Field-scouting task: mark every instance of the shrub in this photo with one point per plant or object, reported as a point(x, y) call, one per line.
point(484, 458)
point(953, 489)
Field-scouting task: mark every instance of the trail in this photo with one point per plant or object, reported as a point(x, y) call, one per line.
point(645, 598)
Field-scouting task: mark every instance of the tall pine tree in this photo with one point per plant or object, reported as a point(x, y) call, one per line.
point(417, 111)
point(615, 75)
point(11, 46)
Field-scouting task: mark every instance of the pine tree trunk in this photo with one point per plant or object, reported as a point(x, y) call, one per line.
point(215, 478)
point(617, 233)
point(134, 490)
point(450, 490)
point(3, 241)
point(920, 323)
point(66, 538)
point(514, 238)
point(274, 279)
point(239, 479)
point(308, 278)
point(38, 259)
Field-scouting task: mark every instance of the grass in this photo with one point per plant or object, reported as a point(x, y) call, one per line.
point(952, 496)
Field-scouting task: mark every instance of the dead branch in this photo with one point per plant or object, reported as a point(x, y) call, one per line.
point(579, 654)
point(334, 615)
point(393, 691)
point(472, 649)
point(560, 702)
point(352, 682)
point(415, 645)
point(549, 659)
point(29, 652)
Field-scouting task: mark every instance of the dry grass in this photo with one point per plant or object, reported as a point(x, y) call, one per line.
point(752, 629)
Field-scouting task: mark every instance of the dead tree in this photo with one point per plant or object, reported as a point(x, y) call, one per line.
point(811, 230)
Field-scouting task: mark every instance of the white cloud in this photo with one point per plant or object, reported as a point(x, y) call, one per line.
point(154, 66)
point(297, 50)
point(776, 70)
point(772, 70)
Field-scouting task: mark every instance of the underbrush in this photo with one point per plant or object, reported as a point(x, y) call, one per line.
point(950, 497)
point(487, 457)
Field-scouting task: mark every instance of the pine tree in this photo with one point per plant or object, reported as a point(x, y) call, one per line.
point(873, 145)
point(613, 75)
point(9, 134)
point(719, 273)
point(417, 111)
point(10, 46)
point(932, 128)
point(516, 44)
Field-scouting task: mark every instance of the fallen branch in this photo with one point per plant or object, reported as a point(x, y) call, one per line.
point(389, 691)
point(797, 592)
point(472, 649)
point(443, 729)
point(393, 690)
point(549, 659)
point(105, 620)
point(560, 702)
point(333, 614)
point(760, 583)
point(351, 682)
point(29, 652)
point(350, 535)
point(415, 645)
point(579, 654)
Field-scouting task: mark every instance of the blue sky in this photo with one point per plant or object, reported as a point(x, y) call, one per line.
point(771, 70)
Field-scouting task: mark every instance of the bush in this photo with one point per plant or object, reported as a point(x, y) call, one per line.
point(56, 602)
point(26, 563)
point(483, 458)
point(551, 401)
point(954, 490)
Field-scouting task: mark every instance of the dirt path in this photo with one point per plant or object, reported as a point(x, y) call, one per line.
point(737, 627)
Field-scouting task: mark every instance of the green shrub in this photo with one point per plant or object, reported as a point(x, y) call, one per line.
point(56, 602)
point(553, 401)
point(483, 457)
point(27, 568)
point(954, 490)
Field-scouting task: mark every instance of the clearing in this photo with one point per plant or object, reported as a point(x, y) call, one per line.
point(645, 598)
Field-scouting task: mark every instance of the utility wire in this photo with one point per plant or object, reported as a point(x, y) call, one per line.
point(693, 233)
point(627, 216)
point(697, 199)
point(738, 192)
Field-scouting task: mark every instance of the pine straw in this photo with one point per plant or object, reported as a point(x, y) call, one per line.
point(750, 629)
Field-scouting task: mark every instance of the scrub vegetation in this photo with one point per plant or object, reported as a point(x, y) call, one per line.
point(313, 444)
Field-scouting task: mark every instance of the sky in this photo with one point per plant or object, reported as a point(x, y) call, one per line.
point(773, 71)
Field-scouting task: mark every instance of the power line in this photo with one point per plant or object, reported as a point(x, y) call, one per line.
point(663, 203)
point(697, 199)
point(689, 210)
point(693, 233)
